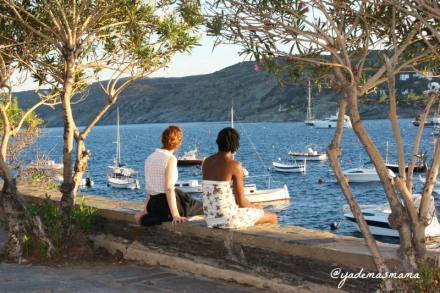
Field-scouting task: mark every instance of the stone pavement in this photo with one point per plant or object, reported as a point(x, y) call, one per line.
point(107, 278)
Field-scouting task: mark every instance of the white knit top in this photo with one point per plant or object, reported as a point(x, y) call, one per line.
point(155, 168)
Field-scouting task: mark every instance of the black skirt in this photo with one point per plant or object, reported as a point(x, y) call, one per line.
point(159, 211)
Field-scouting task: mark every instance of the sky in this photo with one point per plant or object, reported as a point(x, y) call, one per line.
point(202, 60)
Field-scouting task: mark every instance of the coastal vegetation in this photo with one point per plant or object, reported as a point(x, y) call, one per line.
point(332, 41)
point(65, 46)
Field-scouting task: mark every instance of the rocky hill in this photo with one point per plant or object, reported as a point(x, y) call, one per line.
point(257, 96)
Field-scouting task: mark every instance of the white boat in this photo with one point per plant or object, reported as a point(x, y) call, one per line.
point(310, 154)
point(332, 121)
point(265, 195)
point(122, 176)
point(310, 120)
point(290, 167)
point(250, 191)
point(364, 174)
point(377, 220)
point(191, 158)
point(262, 195)
point(45, 165)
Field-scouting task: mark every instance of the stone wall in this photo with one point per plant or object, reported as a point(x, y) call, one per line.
point(286, 255)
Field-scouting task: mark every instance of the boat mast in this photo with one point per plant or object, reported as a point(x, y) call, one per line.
point(118, 139)
point(309, 105)
point(232, 122)
point(386, 154)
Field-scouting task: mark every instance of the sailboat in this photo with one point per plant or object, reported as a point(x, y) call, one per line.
point(263, 195)
point(122, 177)
point(309, 118)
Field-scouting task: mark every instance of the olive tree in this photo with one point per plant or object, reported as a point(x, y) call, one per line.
point(129, 38)
point(354, 46)
point(18, 129)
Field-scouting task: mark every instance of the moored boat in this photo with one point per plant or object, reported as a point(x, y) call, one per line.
point(122, 176)
point(310, 154)
point(289, 167)
point(377, 220)
point(332, 121)
point(364, 174)
point(190, 158)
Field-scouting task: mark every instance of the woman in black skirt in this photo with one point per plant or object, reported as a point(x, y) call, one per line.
point(164, 202)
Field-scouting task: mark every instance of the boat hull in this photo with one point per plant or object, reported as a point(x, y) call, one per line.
point(377, 222)
point(187, 163)
point(301, 157)
point(329, 124)
point(286, 168)
point(395, 168)
point(267, 195)
point(123, 184)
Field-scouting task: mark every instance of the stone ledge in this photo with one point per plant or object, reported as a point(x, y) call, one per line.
point(292, 255)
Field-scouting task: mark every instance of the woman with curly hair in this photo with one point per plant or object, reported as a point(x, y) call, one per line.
point(164, 202)
point(225, 206)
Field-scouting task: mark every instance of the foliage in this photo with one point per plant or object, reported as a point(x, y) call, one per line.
point(30, 130)
point(82, 216)
point(51, 217)
point(429, 280)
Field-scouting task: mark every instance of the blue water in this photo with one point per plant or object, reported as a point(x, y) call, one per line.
point(312, 205)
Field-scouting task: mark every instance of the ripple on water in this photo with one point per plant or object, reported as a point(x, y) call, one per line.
point(313, 205)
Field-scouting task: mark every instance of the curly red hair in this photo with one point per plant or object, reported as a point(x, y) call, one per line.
point(172, 137)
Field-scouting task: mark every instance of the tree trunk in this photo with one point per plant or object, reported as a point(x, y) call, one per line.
point(14, 207)
point(333, 152)
point(398, 218)
point(67, 188)
point(82, 158)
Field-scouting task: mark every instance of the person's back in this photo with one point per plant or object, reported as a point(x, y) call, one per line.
point(227, 207)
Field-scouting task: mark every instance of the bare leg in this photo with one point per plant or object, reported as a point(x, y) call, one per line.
point(267, 218)
point(138, 216)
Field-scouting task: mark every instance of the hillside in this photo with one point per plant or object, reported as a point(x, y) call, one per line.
point(257, 96)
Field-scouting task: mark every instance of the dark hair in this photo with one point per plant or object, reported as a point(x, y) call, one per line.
point(171, 137)
point(228, 140)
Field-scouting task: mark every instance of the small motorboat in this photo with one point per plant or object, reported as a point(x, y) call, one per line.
point(364, 174)
point(395, 167)
point(265, 196)
point(311, 154)
point(290, 167)
point(190, 158)
point(377, 219)
point(251, 192)
point(332, 121)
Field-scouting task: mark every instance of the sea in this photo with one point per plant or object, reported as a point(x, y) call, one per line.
point(316, 198)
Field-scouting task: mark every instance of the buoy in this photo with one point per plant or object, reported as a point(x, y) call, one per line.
point(334, 225)
point(320, 181)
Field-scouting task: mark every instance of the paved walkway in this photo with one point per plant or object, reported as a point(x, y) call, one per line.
point(105, 277)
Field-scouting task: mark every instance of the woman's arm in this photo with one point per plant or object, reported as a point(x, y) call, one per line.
point(169, 188)
point(238, 185)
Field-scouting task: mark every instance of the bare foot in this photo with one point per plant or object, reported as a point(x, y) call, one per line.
point(138, 216)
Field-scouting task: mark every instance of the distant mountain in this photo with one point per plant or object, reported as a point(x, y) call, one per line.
point(257, 96)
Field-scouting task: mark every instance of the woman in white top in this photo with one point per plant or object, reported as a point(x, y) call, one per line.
point(164, 202)
point(225, 206)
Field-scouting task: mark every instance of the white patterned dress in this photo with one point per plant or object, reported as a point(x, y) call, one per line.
point(221, 210)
